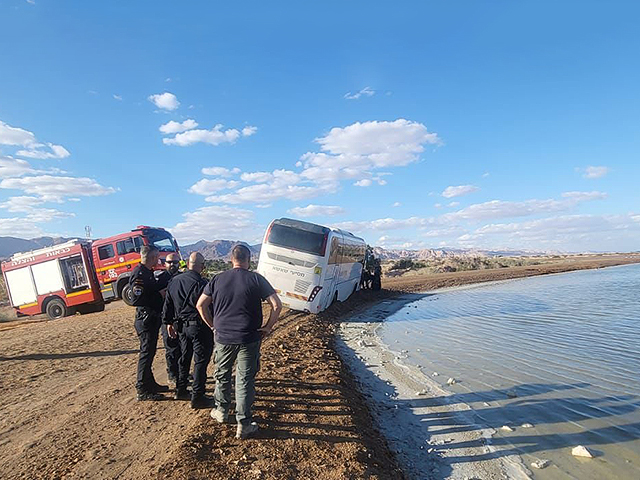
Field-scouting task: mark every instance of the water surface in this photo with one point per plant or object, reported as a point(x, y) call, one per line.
point(560, 352)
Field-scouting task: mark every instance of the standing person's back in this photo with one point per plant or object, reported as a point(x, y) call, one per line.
point(235, 298)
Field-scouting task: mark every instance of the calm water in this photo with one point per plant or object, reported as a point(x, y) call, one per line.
point(568, 345)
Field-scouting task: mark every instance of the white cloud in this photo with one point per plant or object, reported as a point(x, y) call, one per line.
point(216, 222)
point(266, 193)
point(595, 172)
point(177, 127)
point(485, 174)
point(459, 190)
point(56, 188)
point(396, 204)
point(366, 92)
point(165, 101)
point(316, 211)
point(220, 171)
point(383, 224)
point(565, 232)
point(21, 204)
point(453, 204)
point(208, 186)
point(494, 209)
point(57, 151)
point(353, 152)
point(365, 182)
point(505, 209)
point(117, 97)
point(215, 136)
point(29, 225)
point(257, 177)
point(13, 167)
point(248, 131)
point(585, 196)
point(15, 136)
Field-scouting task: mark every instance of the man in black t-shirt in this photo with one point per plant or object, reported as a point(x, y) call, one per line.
point(235, 297)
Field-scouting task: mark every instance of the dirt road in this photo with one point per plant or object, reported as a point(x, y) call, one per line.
point(68, 408)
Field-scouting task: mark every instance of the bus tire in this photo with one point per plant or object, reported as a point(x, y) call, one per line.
point(126, 294)
point(56, 309)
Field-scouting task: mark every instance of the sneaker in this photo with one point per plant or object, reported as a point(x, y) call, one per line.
point(201, 401)
point(182, 394)
point(245, 431)
point(219, 416)
point(148, 396)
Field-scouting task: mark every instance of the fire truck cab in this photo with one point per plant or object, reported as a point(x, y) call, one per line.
point(116, 257)
point(57, 280)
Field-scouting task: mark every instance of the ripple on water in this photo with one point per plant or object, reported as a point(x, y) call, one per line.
point(568, 344)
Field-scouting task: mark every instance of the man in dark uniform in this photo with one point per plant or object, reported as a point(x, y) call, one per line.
point(147, 298)
point(172, 351)
point(196, 338)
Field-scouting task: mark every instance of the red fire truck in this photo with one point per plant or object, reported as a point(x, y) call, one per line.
point(54, 280)
point(116, 257)
point(80, 276)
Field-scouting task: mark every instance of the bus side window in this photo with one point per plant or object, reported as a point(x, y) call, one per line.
point(333, 255)
point(106, 251)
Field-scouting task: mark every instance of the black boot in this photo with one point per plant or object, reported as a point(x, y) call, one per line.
point(201, 401)
point(182, 394)
point(148, 396)
point(155, 387)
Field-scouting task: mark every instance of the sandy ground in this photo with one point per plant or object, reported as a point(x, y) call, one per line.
point(68, 406)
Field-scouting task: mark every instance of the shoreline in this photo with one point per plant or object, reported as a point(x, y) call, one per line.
point(398, 394)
point(82, 420)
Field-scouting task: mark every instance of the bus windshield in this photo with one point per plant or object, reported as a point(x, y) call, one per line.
point(297, 239)
point(161, 239)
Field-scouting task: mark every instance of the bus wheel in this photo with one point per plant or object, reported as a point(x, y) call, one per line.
point(56, 309)
point(127, 294)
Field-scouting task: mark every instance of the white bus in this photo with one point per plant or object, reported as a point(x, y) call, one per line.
point(309, 265)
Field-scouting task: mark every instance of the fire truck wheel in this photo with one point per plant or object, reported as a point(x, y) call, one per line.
point(127, 295)
point(56, 309)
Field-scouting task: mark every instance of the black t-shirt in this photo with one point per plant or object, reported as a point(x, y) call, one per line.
point(237, 297)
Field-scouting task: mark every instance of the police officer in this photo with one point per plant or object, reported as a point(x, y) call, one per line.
point(172, 351)
point(147, 298)
point(196, 338)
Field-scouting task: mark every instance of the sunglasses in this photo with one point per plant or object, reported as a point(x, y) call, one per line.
point(172, 261)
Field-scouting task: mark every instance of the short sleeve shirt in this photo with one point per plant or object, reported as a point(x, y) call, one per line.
point(236, 301)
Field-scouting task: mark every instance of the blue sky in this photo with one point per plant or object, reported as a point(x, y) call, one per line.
point(415, 124)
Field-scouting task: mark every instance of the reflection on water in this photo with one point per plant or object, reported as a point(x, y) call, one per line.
point(560, 352)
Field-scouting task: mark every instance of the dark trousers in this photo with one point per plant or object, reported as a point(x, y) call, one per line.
point(147, 324)
point(171, 353)
point(197, 341)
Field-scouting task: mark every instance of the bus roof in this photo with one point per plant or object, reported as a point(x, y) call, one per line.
point(311, 227)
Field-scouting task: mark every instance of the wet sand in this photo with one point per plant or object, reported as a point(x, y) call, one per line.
point(69, 411)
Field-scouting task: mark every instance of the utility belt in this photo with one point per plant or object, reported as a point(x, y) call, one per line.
point(190, 323)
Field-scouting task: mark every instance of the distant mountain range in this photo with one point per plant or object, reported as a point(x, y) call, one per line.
point(221, 249)
point(217, 249)
point(11, 245)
